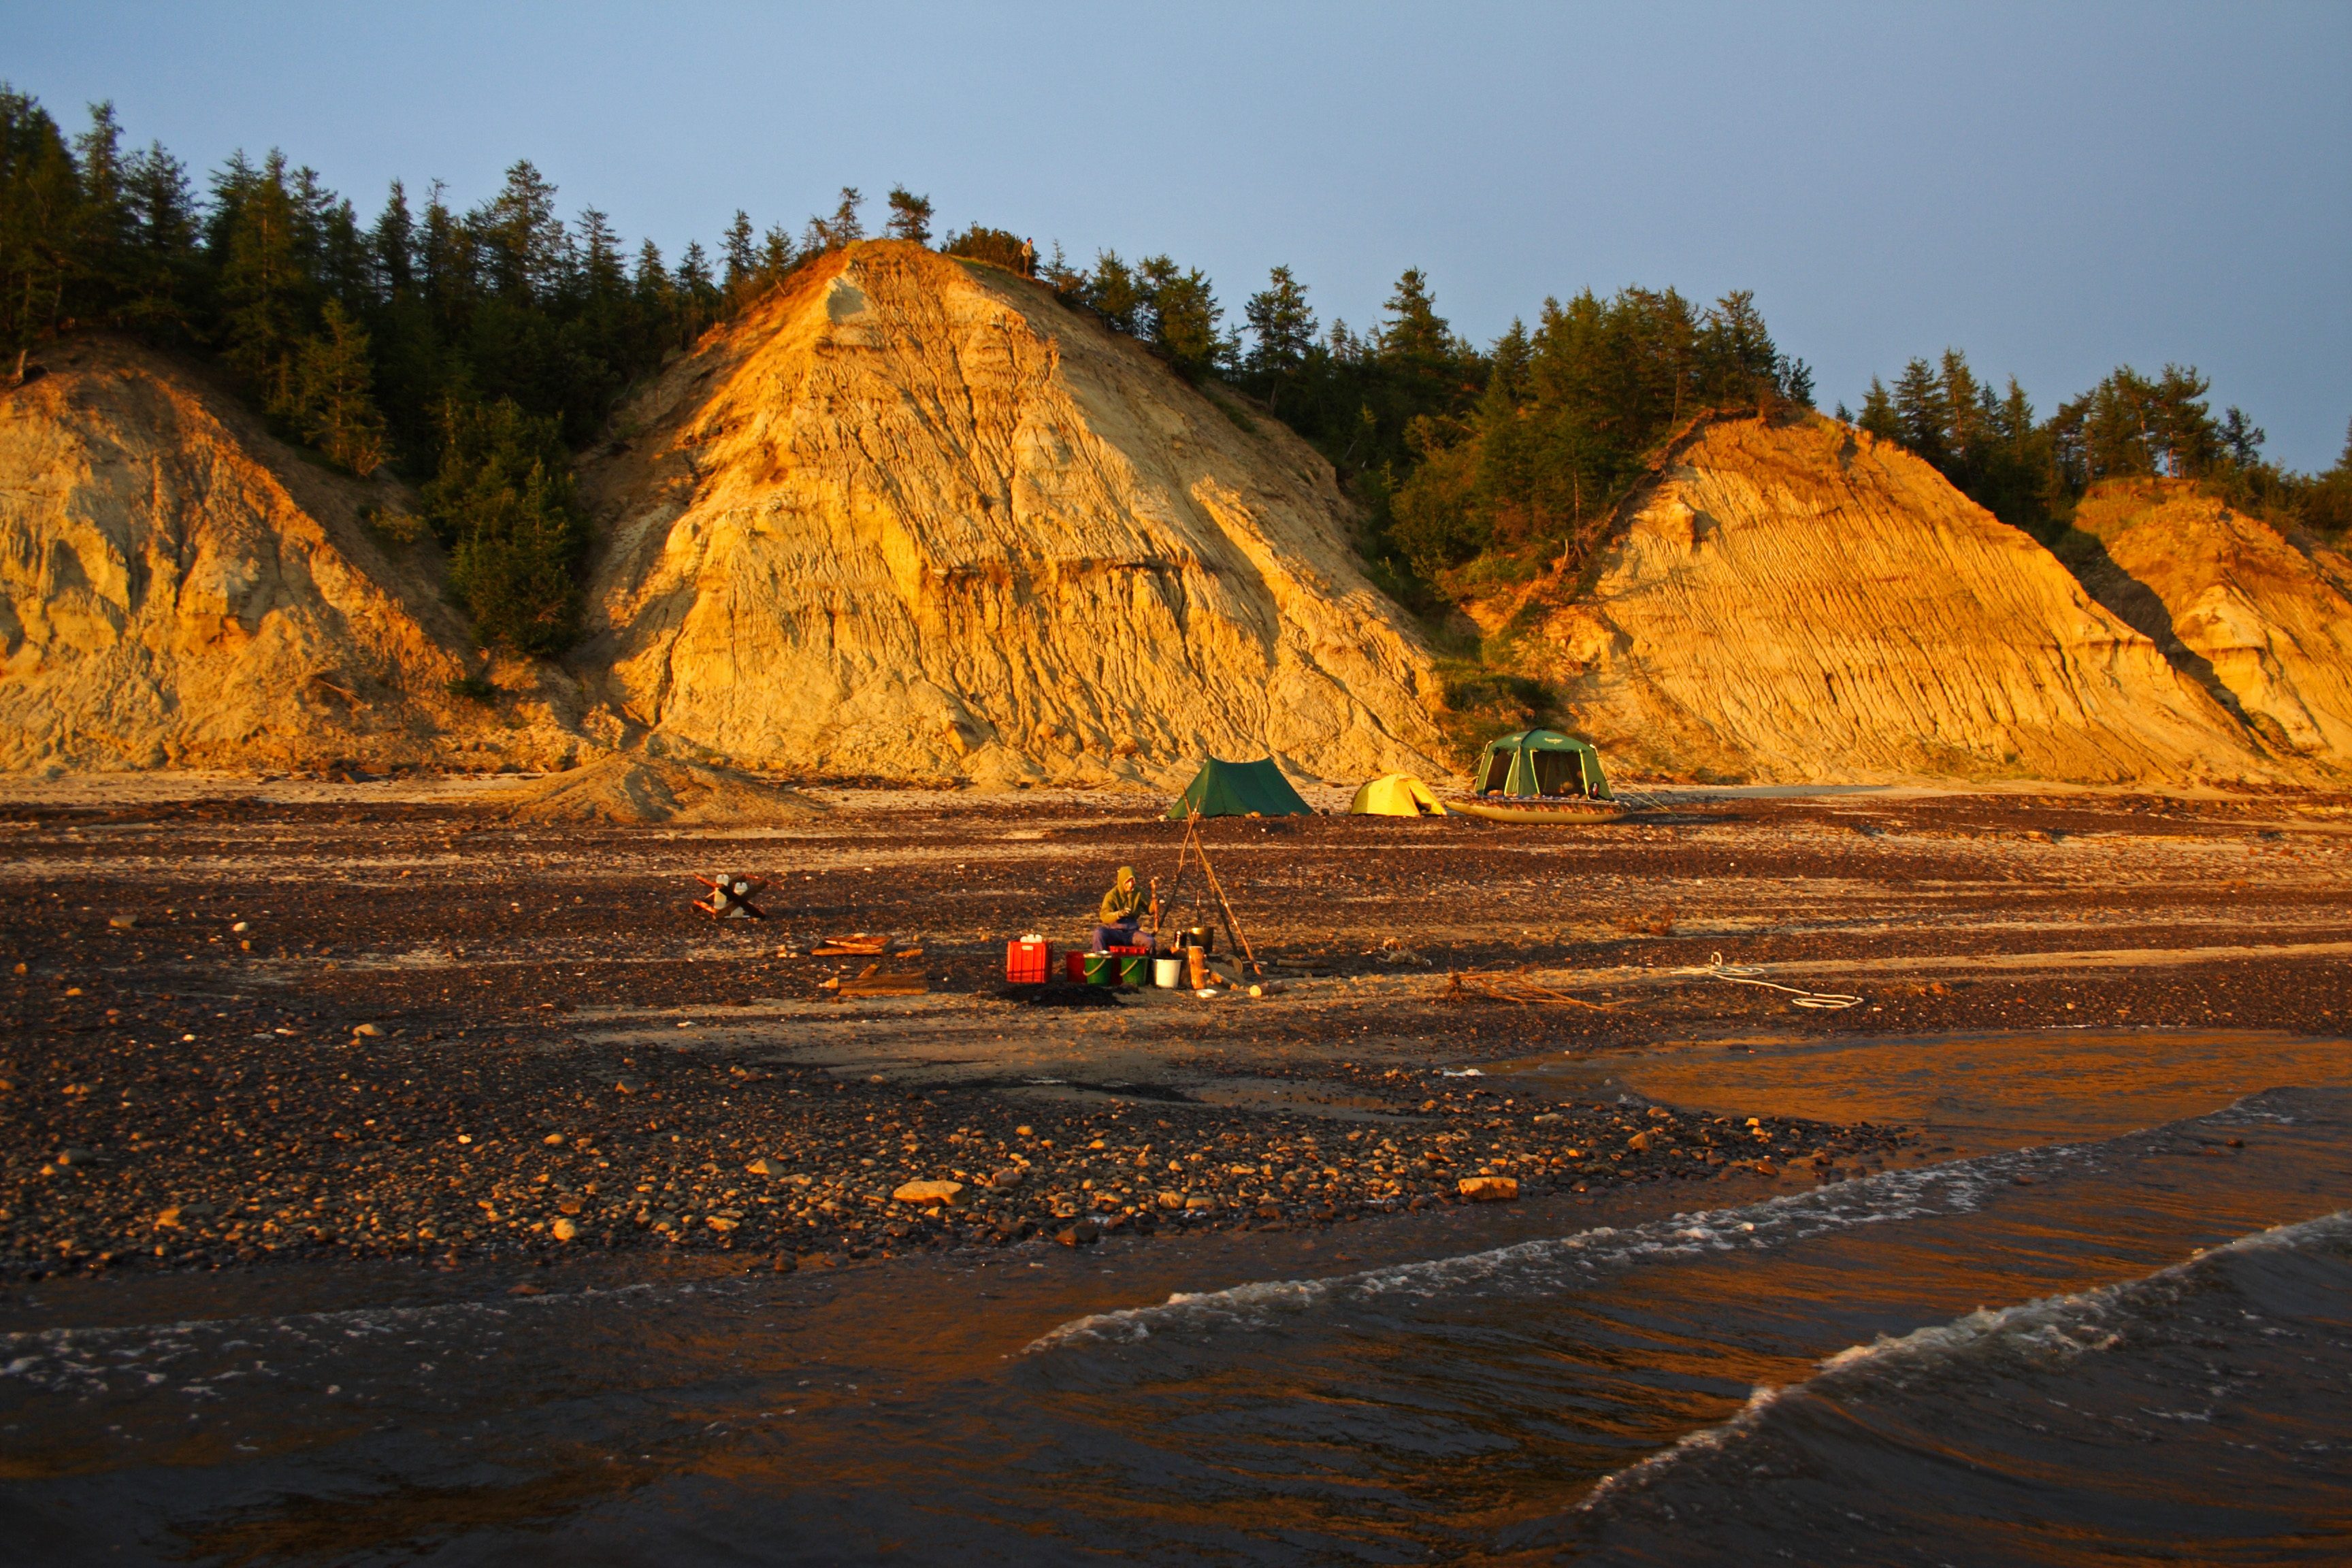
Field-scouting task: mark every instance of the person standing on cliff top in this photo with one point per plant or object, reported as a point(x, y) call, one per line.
point(1122, 908)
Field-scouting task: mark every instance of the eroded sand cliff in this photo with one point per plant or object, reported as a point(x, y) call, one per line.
point(179, 588)
point(2262, 618)
point(1798, 601)
point(914, 517)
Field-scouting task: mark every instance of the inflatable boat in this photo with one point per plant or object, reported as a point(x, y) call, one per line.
point(1555, 811)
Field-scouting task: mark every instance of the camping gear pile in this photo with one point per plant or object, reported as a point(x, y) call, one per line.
point(731, 896)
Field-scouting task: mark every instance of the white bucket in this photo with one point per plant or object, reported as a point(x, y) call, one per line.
point(1168, 974)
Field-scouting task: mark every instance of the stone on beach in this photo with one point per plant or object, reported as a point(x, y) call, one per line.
point(929, 1193)
point(1488, 1189)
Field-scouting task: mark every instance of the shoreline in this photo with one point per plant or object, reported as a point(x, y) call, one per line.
point(182, 980)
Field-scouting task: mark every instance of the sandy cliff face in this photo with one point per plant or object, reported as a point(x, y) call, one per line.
point(176, 587)
point(910, 517)
point(1800, 603)
point(914, 517)
point(2262, 618)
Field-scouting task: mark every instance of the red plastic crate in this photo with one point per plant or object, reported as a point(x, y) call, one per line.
point(1028, 962)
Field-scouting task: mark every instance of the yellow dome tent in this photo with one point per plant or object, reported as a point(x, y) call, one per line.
point(1395, 794)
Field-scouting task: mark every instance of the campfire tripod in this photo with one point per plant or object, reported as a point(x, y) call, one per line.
point(1195, 848)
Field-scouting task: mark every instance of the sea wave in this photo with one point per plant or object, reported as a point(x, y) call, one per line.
point(2044, 1333)
point(1960, 1186)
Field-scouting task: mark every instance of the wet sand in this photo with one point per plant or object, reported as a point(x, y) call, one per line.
point(568, 1057)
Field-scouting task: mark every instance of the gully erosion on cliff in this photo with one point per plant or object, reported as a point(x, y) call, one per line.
point(1791, 601)
point(915, 517)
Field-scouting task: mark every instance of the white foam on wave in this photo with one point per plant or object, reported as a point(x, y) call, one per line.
point(1553, 1262)
point(82, 1361)
point(2049, 1330)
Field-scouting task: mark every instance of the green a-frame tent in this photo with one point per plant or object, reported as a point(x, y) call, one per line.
point(1239, 789)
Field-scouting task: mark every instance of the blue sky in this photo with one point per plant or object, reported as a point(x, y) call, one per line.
point(2054, 189)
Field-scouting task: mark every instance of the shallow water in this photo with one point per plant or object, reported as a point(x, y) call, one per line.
point(1940, 1364)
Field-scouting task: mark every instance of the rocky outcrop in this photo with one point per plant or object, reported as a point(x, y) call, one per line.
point(1796, 601)
point(2260, 617)
point(913, 517)
point(179, 588)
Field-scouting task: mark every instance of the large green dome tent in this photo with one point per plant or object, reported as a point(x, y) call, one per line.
point(1239, 789)
point(1541, 763)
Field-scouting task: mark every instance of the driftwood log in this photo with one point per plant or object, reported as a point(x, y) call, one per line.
point(1495, 986)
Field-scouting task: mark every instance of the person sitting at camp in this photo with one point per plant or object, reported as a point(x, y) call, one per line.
point(1122, 911)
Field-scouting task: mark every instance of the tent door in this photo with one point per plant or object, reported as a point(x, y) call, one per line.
point(1556, 773)
point(1496, 774)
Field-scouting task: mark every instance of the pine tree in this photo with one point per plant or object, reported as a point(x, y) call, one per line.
point(40, 198)
point(165, 282)
point(260, 278)
point(696, 294)
point(446, 267)
point(910, 216)
point(523, 242)
point(1735, 362)
point(1415, 330)
point(104, 264)
point(1919, 412)
point(602, 283)
point(650, 285)
point(2184, 428)
point(1878, 413)
point(2240, 438)
point(503, 504)
point(1183, 315)
point(1113, 290)
point(842, 228)
point(392, 245)
point(1282, 330)
point(743, 261)
point(333, 394)
point(2327, 504)
point(777, 254)
point(1060, 276)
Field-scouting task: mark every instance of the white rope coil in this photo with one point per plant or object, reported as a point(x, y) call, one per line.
point(1746, 975)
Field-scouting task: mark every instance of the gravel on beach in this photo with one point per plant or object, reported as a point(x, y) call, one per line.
point(248, 1027)
point(224, 1150)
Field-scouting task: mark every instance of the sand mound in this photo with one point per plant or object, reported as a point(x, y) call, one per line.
point(177, 587)
point(1799, 603)
point(917, 519)
point(2261, 618)
point(634, 790)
